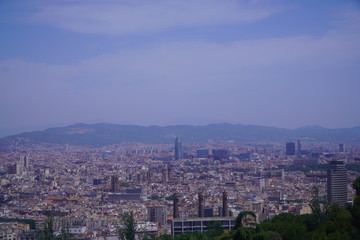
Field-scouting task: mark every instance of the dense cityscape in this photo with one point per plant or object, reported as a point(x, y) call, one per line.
point(179, 120)
point(167, 187)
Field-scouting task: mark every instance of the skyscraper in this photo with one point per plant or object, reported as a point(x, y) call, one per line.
point(157, 214)
point(114, 184)
point(337, 182)
point(225, 209)
point(179, 154)
point(201, 206)
point(341, 148)
point(299, 147)
point(290, 148)
point(176, 205)
point(220, 154)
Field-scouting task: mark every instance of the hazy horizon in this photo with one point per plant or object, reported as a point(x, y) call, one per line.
point(10, 132)
point(270, 63)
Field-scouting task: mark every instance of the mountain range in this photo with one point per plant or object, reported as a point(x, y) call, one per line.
point(103, 134)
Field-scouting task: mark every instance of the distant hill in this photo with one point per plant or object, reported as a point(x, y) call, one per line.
point(105, 134)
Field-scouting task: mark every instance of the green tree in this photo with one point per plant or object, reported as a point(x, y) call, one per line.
point(240, 218)
point(288, 225)
point(64, 232)
point(48, 232)
point(315, 205)
point(226, 235)
point(127, 226)
point(269, 235)
point(356, 186)
point(214, 229)
point(244, 234)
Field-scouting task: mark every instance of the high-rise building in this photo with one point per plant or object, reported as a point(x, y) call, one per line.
point(157, 214)
point(25, 161)
point(201, 205)
point(341, 148)
point(290, 149)
point(220, 154)
point(337, 182)
point(176, 205)
point(114, 184)
point(299, 147)
point(202, 153)
point(179, 154)
point(225, 209)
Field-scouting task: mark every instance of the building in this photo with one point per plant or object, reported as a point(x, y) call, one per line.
point(115, 184)
point(179, 154)
point(201, 206)
point(157, 214)
point(180, 226)
point(208, 212)
point(341, 148)
point(131, 194)
point(290, 149)
point(220, 154)
point(299, 150)
point(77, 230)
point(202, 153)
point(25, 162)
point(337, 182)
point(225, 208)
point(176, 205)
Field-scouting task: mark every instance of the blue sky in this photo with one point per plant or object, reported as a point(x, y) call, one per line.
point(164, 62)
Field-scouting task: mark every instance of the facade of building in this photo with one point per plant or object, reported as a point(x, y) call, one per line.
point(190, 225)
point(220, 154)
point(299, 150)
point(157, 214)
point(290, 149)
point(341, 148)
point(115, 184)
point(179, 154)
point(202, 153)
point(337, 182)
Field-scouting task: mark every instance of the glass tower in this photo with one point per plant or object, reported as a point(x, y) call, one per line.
point(337, 183)
point(179, 154)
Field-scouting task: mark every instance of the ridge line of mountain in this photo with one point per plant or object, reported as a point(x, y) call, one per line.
point(100, 134)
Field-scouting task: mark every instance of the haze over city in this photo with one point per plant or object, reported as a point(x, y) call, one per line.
point(179, 120)
point(274, 63)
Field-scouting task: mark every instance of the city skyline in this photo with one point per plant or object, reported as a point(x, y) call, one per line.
point(269, 63)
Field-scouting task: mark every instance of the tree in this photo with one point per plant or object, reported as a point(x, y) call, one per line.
point(240, 219)
point(64, 232)
point(269, 235)
point(288, 225)
point(244, 234)
point(127, 226)
point(214, 229)
point(48, 232)
point(356, 186)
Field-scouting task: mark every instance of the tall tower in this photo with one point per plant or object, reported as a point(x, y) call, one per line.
point(299, 147)
point(341, 148)
point(337, 182)
point(179, 154)
point(290, 148)
point(24, 161)
point(157, 214)
point(201, 205)
point(176, 205)
point(114, 184)
point(225, 209)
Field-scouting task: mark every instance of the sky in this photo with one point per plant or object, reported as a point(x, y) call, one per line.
point(167, 62)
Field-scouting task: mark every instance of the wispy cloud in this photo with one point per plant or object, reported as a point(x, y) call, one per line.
point(273, 74)
point(142, 16)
